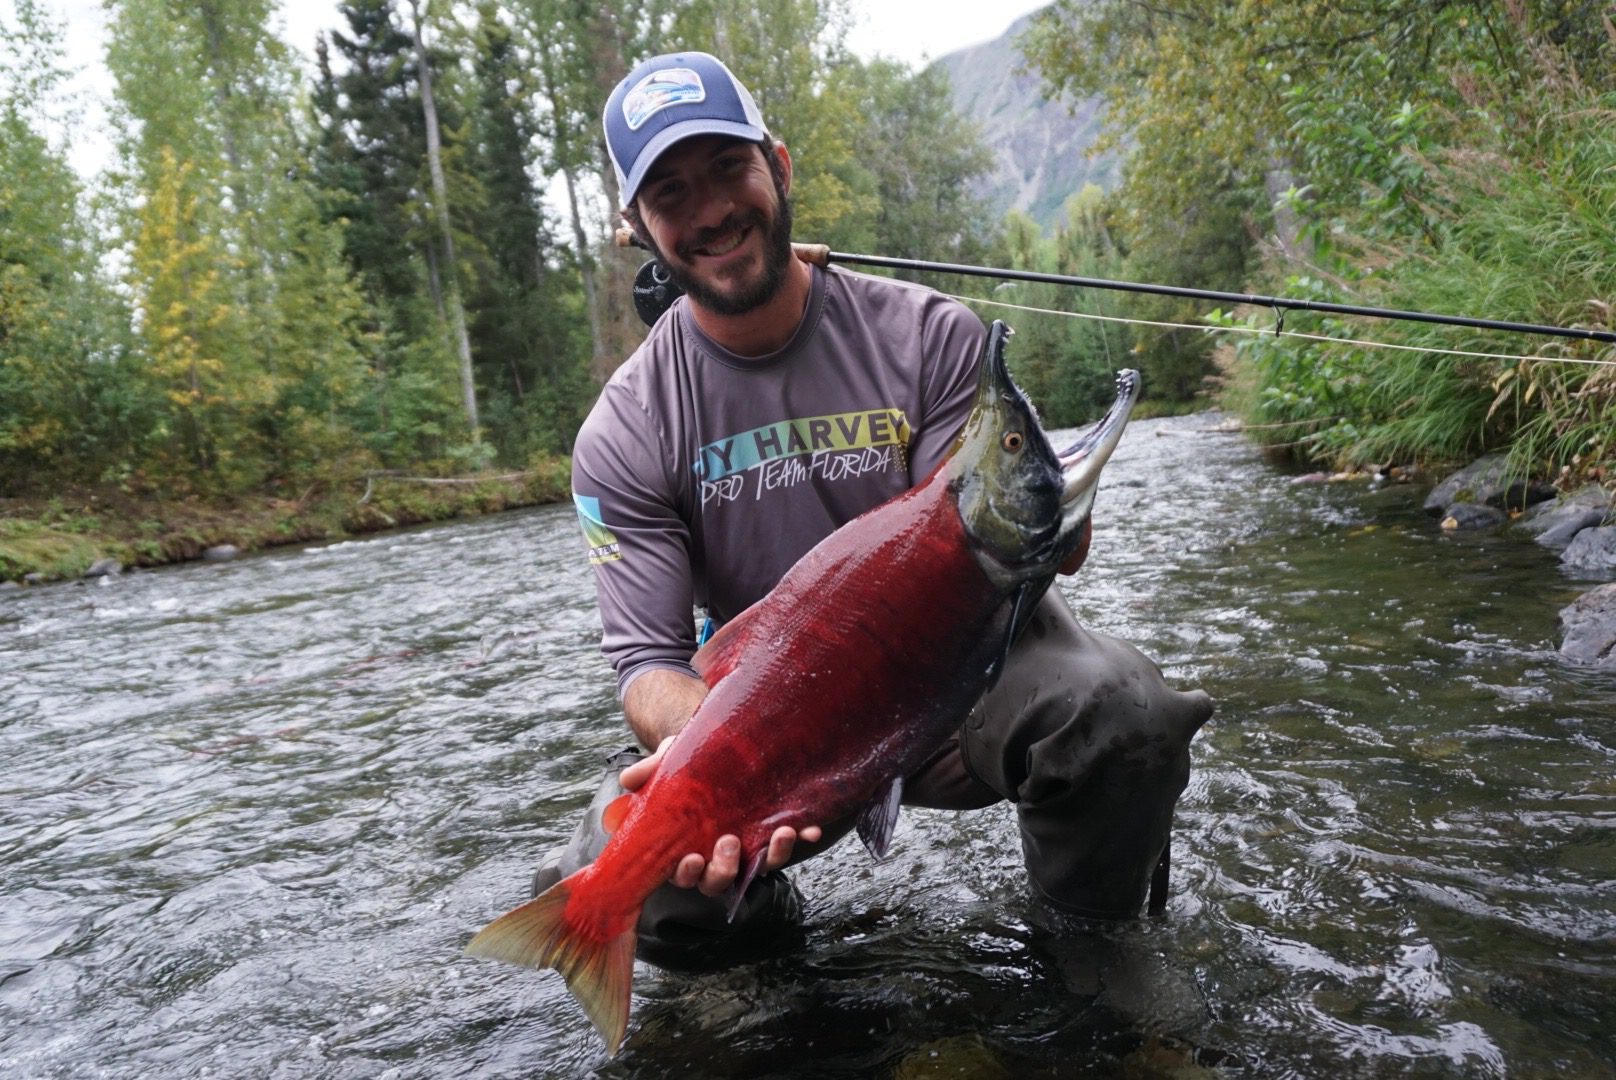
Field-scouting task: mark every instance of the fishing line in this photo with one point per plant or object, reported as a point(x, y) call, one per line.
point(1276, 331)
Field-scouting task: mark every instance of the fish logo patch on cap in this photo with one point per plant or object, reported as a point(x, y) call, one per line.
point(661, 90)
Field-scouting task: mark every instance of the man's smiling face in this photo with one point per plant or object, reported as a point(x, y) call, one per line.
point(719, 220)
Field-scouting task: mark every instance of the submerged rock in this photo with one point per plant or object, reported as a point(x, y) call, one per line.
point(1467, 515)
point(104, 568)
point(959, 1056)
point(1589, 624)
point(1486, 480)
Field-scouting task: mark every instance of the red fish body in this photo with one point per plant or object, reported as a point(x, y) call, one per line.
point(822, 696)
point(819, 694)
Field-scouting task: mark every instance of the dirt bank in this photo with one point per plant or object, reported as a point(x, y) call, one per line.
point(62, 536)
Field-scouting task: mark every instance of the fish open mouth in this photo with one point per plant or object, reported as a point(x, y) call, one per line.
point(1082, 461)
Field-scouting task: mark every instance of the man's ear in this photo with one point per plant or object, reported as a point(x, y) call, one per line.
point(784, 155)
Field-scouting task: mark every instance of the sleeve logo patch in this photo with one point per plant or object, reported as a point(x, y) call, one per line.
point(601, 540)
point(661, 90)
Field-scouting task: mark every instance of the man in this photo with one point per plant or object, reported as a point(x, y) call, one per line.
point(770, 405)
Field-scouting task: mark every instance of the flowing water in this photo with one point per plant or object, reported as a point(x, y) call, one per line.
point(250, 813)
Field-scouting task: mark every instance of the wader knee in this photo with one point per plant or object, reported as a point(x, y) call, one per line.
point(681, 927)
point(1086, 737)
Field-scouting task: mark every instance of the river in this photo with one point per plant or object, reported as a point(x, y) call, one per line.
point(251, 813)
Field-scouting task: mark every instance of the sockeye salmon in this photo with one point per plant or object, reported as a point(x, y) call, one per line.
point(827, 692)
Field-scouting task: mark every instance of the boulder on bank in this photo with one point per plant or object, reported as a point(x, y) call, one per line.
point(1486, 480)
point(1592, 550)
point(221, 553)
point(1554, 523)
point(104, 568)
point(1589, 624)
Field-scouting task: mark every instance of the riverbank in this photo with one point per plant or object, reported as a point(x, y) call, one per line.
point(72, 534)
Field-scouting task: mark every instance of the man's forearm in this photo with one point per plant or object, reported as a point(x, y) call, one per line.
point(659, 703)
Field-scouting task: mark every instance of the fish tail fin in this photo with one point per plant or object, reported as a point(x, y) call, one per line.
point(597, 963)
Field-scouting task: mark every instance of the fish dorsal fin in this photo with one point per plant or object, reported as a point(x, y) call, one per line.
point(723, 650)
point(880, 817)
point(615, 812)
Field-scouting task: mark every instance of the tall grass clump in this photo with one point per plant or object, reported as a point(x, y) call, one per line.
point(1517, 221)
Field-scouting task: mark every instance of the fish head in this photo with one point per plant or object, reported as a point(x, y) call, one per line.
point(1023, 504)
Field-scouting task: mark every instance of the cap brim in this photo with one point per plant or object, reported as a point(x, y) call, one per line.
point(674, 133)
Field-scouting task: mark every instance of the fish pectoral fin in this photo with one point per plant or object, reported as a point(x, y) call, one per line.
point(615, 812)
point(880, 817)
point(737, 890)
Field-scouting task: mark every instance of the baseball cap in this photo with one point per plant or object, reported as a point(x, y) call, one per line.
point(667, 99)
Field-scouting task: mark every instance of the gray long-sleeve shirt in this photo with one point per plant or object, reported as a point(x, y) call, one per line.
point(700, 476)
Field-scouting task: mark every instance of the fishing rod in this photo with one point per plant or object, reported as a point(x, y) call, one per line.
point(653, 286)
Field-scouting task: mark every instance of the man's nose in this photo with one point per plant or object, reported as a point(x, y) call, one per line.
point(710, 204)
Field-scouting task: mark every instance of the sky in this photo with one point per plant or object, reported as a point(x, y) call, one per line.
point(912, 31)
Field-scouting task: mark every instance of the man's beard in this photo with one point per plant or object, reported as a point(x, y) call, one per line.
point(776, 257)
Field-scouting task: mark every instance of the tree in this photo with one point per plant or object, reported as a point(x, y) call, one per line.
point(580, 50)
point(244, 303)
point(450, 299)
point(1433, 156)
point(64, 395)
point(919, 158)
point(528, 329)
point(371, 164)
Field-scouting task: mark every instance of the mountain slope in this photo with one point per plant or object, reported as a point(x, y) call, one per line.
point(1039, 146)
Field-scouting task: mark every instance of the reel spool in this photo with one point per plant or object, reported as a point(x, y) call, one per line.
point(654, 291)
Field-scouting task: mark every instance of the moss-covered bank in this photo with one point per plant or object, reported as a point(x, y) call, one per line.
point(60, 537)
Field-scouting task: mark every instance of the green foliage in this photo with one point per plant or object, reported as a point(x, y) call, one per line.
point(1521, 235)
point(257, 295)
point(917, 160)
point(64, 394)
point(34, 547)
point(1454, 157)
point(1066, 364)
point(248, 326)
point(1206, 247)
point(529, 329)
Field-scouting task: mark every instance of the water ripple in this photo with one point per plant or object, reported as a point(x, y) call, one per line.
point(253, 811)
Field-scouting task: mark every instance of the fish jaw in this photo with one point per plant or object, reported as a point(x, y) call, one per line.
point(1080, 463)
point(1024, 505)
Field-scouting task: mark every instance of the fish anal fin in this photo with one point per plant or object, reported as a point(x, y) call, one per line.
point(737, 891)
point(596, 960)
point(615, 812)
point(879, 817)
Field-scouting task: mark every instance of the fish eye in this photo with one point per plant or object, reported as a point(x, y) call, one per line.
point(1013, 441)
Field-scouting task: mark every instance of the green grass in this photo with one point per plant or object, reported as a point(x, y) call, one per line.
point(1527, 235)
point(28, 547)
point(61, 536)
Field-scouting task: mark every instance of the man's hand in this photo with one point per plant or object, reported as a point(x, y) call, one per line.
point(712, 876)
